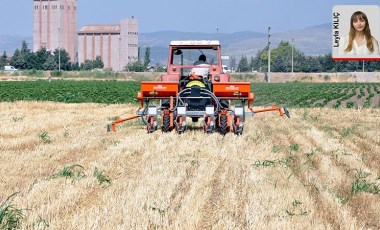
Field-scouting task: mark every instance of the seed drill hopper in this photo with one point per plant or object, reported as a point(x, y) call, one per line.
point(190, 90)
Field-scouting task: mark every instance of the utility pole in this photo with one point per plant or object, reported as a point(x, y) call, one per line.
point(268, 76)
point(363, 66)
point(59, 49)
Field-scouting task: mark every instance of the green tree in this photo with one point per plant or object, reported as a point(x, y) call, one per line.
point(17, 60)
point(340, 66)
point(98, 63)
point(256, 62)
point(75, 66)
point(147, 56)
point(371, 66)
point(31, 61)
point(264, 60)
point(327, 63)
point(243, 64)
point(353, 66)
point(24, 47)
point(65, 59)
point(87, 65)
point(252, 64)
point(29, 57)
point(312, 64)
point(3, 60)
point(50, 63)
point(136, 66)
point(280, 64)
point(282, 57)
point(42, 56)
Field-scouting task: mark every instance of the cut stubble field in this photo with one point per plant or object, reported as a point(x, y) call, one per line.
point(318, 170)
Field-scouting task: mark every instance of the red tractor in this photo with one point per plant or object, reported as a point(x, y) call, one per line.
point(195, 86)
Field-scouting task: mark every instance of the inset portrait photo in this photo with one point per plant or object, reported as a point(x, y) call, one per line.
point(355, 32)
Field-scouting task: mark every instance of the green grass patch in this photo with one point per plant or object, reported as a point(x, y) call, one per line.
point(74, 171)
point(10, 215)
point(361, 183)
point(45, 137)
point(102, 178)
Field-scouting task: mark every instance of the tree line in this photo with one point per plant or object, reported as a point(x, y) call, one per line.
point(43, 59)
point(281, 61)
point(60, 59)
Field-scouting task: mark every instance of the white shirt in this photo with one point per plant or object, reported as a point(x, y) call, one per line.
point(201, 71)
point(358, 49)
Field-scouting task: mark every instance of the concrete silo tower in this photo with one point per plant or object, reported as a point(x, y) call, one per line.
point(55, 26)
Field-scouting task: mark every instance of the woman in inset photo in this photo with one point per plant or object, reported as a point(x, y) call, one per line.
point(359, 40)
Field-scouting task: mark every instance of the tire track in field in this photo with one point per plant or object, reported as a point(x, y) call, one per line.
point(324, 209)
point(356, 140)
point(365, 147)
point(210, 208)
point(362, 206)
point(241, 194)
point(332, 170)
point(319, 185)
point(283, 138)
point(180, 191)
point(93, 197)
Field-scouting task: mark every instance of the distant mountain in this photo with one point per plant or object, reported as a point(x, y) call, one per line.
point(315, 40)
point(162, 38)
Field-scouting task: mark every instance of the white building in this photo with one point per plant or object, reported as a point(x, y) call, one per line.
point(117, 44)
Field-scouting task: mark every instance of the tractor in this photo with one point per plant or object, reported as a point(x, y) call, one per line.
point(194, 89)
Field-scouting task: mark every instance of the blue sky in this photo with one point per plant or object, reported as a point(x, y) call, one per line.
point(16, 16)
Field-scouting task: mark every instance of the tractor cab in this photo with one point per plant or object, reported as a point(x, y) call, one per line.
point(184, 64)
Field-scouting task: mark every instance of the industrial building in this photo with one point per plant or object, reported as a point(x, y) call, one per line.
point(55, 26)
point(117, 44)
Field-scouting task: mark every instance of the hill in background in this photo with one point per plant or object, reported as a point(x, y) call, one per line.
point(315, 40)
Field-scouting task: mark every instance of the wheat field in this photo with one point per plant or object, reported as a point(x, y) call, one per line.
point(318, 170)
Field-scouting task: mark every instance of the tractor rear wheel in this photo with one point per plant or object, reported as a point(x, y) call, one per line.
point(166, 123)
point(223, 124)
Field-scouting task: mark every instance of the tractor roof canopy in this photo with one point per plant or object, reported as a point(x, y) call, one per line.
point(186, 53)
point(195, 43)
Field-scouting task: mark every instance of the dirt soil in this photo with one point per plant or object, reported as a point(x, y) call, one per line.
point(319, 169)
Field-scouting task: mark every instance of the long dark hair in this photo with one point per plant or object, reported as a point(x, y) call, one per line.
point(367, 32)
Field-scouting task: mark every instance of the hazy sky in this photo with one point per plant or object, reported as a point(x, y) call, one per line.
point(16, 16)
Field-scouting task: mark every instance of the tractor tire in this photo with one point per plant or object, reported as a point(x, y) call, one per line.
point(223, 124)
point(166, 124)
